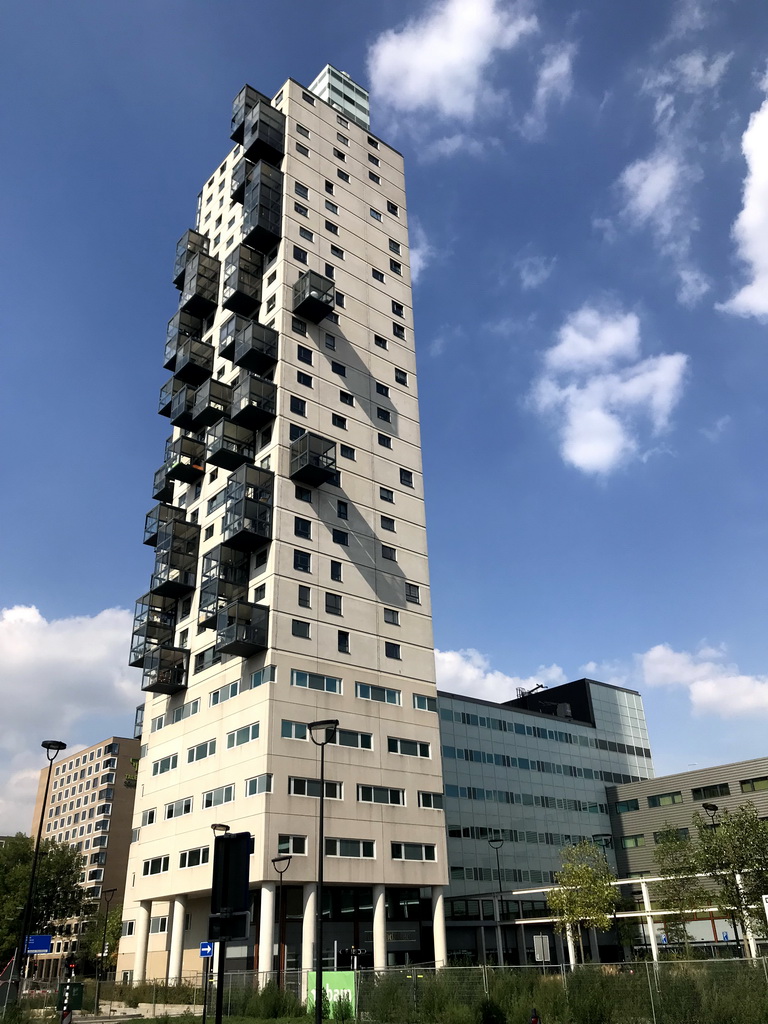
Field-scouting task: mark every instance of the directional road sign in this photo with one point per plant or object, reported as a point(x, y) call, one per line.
point(38, 943)
point(206, 949)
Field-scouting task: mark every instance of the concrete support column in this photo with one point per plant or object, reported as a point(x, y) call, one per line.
point(178, 915)
point(571, 947)
point(266, 932)
point(143, 912)
point(379, 928)
point(594, 949)
point(649, 921)
point(438, 927)
point(308, 935)
point(522, 952)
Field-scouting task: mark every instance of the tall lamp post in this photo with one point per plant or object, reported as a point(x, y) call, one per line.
point(108, 895)
point(496, 844)
point(322, 733)
point(52, 750)
point(281, 865)
point(220, 830)
point(712, 812)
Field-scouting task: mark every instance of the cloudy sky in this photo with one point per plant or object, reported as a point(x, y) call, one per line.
point(588, 203)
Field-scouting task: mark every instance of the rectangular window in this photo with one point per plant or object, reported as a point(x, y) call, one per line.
point(165, 764)
point(398, 330)
point(155, 866)
point(346, 398)
point(341, 537)
point(388, 523)
point(382, 389)
point(293, 730)
point(339, 368)
point(389, 553)
point(336, 571)
point(243, 735)
point(384, 440)
point(215, 797)
point(397, 308)
point(424, 703)
point(406, 478)
point(401, 377)
point(338, 421)
point(302, 149)
point(330, 341)
point(301, 209)
point(334, 230)
point(754, 785)
point(377, 275)
point(342, 509)
point(178, 808)
point(302, 527)
point(311, 787)
point(158, 925)
point(375, 214)
point(392, 616)
point(304, 354)
point(308, 98)
point(292, 846)
point(632, 842)
point(306, 234)
point(148, 817)
point(434, 801)
point(342, 139)
point(314, 681)
point(303, 493)
point(342, 641)
point(374, 160)
point(373, 142)
point(380, 795)
point(329, 187)
point(336, 252)
point(665, 799)
point(331, 207)
point(333, 604)
point(300, 255)
point(304, 597)
point(409, 748)
point(342, 174)
point(379, 694)
point(302, 561)
point(412, 593)
point(300, 628)
point(375, 178)
point(303, 378)
point(711, 792)
point(396, 267)
point(302, 130)
point(413, 851)
point(298, 326)
point(349, 848)
point(194, 858)
point(383, 414)
point(339, 155)
point(298, 406)
point(394, 246)
point(392, 651)
point(386, 494)
point(259, 784)
point(186, 710)
point(201, 751)
point(623, 806)
point(393, 209)
point(301, 190)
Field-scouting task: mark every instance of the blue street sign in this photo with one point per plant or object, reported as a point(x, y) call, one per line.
point(38, 943)
point(725, 936)
point(664, 938)
point(206, 949)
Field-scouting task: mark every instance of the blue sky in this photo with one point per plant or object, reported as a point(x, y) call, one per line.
point(588, 204)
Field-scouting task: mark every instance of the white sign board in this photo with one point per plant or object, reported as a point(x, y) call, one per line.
point(541, 948)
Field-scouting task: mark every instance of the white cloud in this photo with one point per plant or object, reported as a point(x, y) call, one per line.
point(714, 686)
point(717, 429)
point(54, 676)
point(451, 145)
point(438, 63)
point(534, 270)
point(602, 397)
point(421, 250)
point(469, 672)
point(750, 231)
point(554, 84)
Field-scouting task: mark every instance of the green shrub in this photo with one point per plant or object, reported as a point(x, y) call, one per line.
point(489, 1012)
point(342, 1008)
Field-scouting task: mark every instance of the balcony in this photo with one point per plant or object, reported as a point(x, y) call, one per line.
point(254, 401)
point(194, 361)
point(242, 281)
point(263, 207)
point(200, 294)
point(153, 624)
point(175, 559)
point(313, 459)
point(162, 487)
point(185, 459)
point(245, 100)
point(165, 670)
point(230, 446)
point(212, 401)
point(167, 391)
point(313, 296)
point(247, 522)
point(224, 579)
point(191, 242)
point(242, 174)
point(242, 629)
point(264, 132)
point(180, 327)
point(181, 407)
point(159, 516)
point(248, 344)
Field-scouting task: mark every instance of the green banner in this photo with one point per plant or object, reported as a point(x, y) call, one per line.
point(70, 996)
point(336, 984)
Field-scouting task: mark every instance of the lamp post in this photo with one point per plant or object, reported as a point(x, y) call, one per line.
point(281, 865)
point(496, 844)
point(108, 895)
point(52, 749)
point(712, 812)
point(322, 733)
point(220, 830)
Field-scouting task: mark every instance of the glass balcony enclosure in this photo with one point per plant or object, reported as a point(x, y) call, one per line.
point(182, 405)
point(245, 100)
point(212, 401)
point(191, 242)
point(167, 391)
point(165, 670)
point(224, 579)
point(263, 207)
point(242, 629)
point(248, 344)
point(313, 296)
point(247, 522)
point(313, 459)
point(254, 401)
point(175, 559)
point(162, 486)
point(180, 327)
point(200, 293)
point(185, 459)
point(153, 623)
point(194, 361)
point(229, 445)
point(157, 517)
point(264, 132)
point(242, 281)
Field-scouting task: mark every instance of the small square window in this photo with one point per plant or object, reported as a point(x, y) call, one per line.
point(302, 130)
point(341, 299)
point(304, 378)
point(412, 593)
point(373, 160)
point(302, 528)
point(343, 642)
point(394, 246)
point(300, 255)
point(331, 227)
point(333, 604)
point(373, 142)
point(386, 494)
point(397, 308)
point(343, 174)
point(406, 478)
point(339, 368)
point(375, 178)
point(375, 214)
point(301, 209)
point(389, 553)
point(208, 533)
point(329, 187)
point(302, 561)
point(301, 190)
point(342, 510)
point(305, 594)
point(380, 342)
point(342, 139)
point(342, 121)
point(401, 377)
point(331, 207)
point(346, 398)
point(301, 628)
point(384, 440)
point(306, 234)
point(377, 275)
point(341, 537)
point(308, 98)
point(382, 389)
point(383, 414)
point(338, 154)
point(336, 571)
point(395, 267)
point(387, 523)
point(330, 341)
point(298, 405)
point(271, 301)
point(296, 431)
point(330, 271)
point(346, 452)
point(391, 615)
point(337, 252)
point(339, 421)
point(390, 650)
point(304, 354)
point(393, 209)
point(302, 149)
point(303, 493)
point(332, 318)
point(399, 331)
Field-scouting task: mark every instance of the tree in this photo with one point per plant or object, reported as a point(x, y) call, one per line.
point(585, 896)
point(89, 946)
point(733, 851)
point(57, 894)
point(681, 892)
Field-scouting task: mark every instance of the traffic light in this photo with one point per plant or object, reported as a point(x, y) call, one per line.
point(71, 964)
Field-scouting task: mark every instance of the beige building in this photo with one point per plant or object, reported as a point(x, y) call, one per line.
point(89, 808)
point(291, 581)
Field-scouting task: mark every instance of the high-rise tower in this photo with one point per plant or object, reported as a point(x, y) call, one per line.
point(291, 581)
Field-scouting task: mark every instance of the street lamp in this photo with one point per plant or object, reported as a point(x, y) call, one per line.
point(322, 733)
point(220, 830)
point(108, 896)
point(712, 812)
point(496, 844)
point(281, 865)
point(52, 749)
